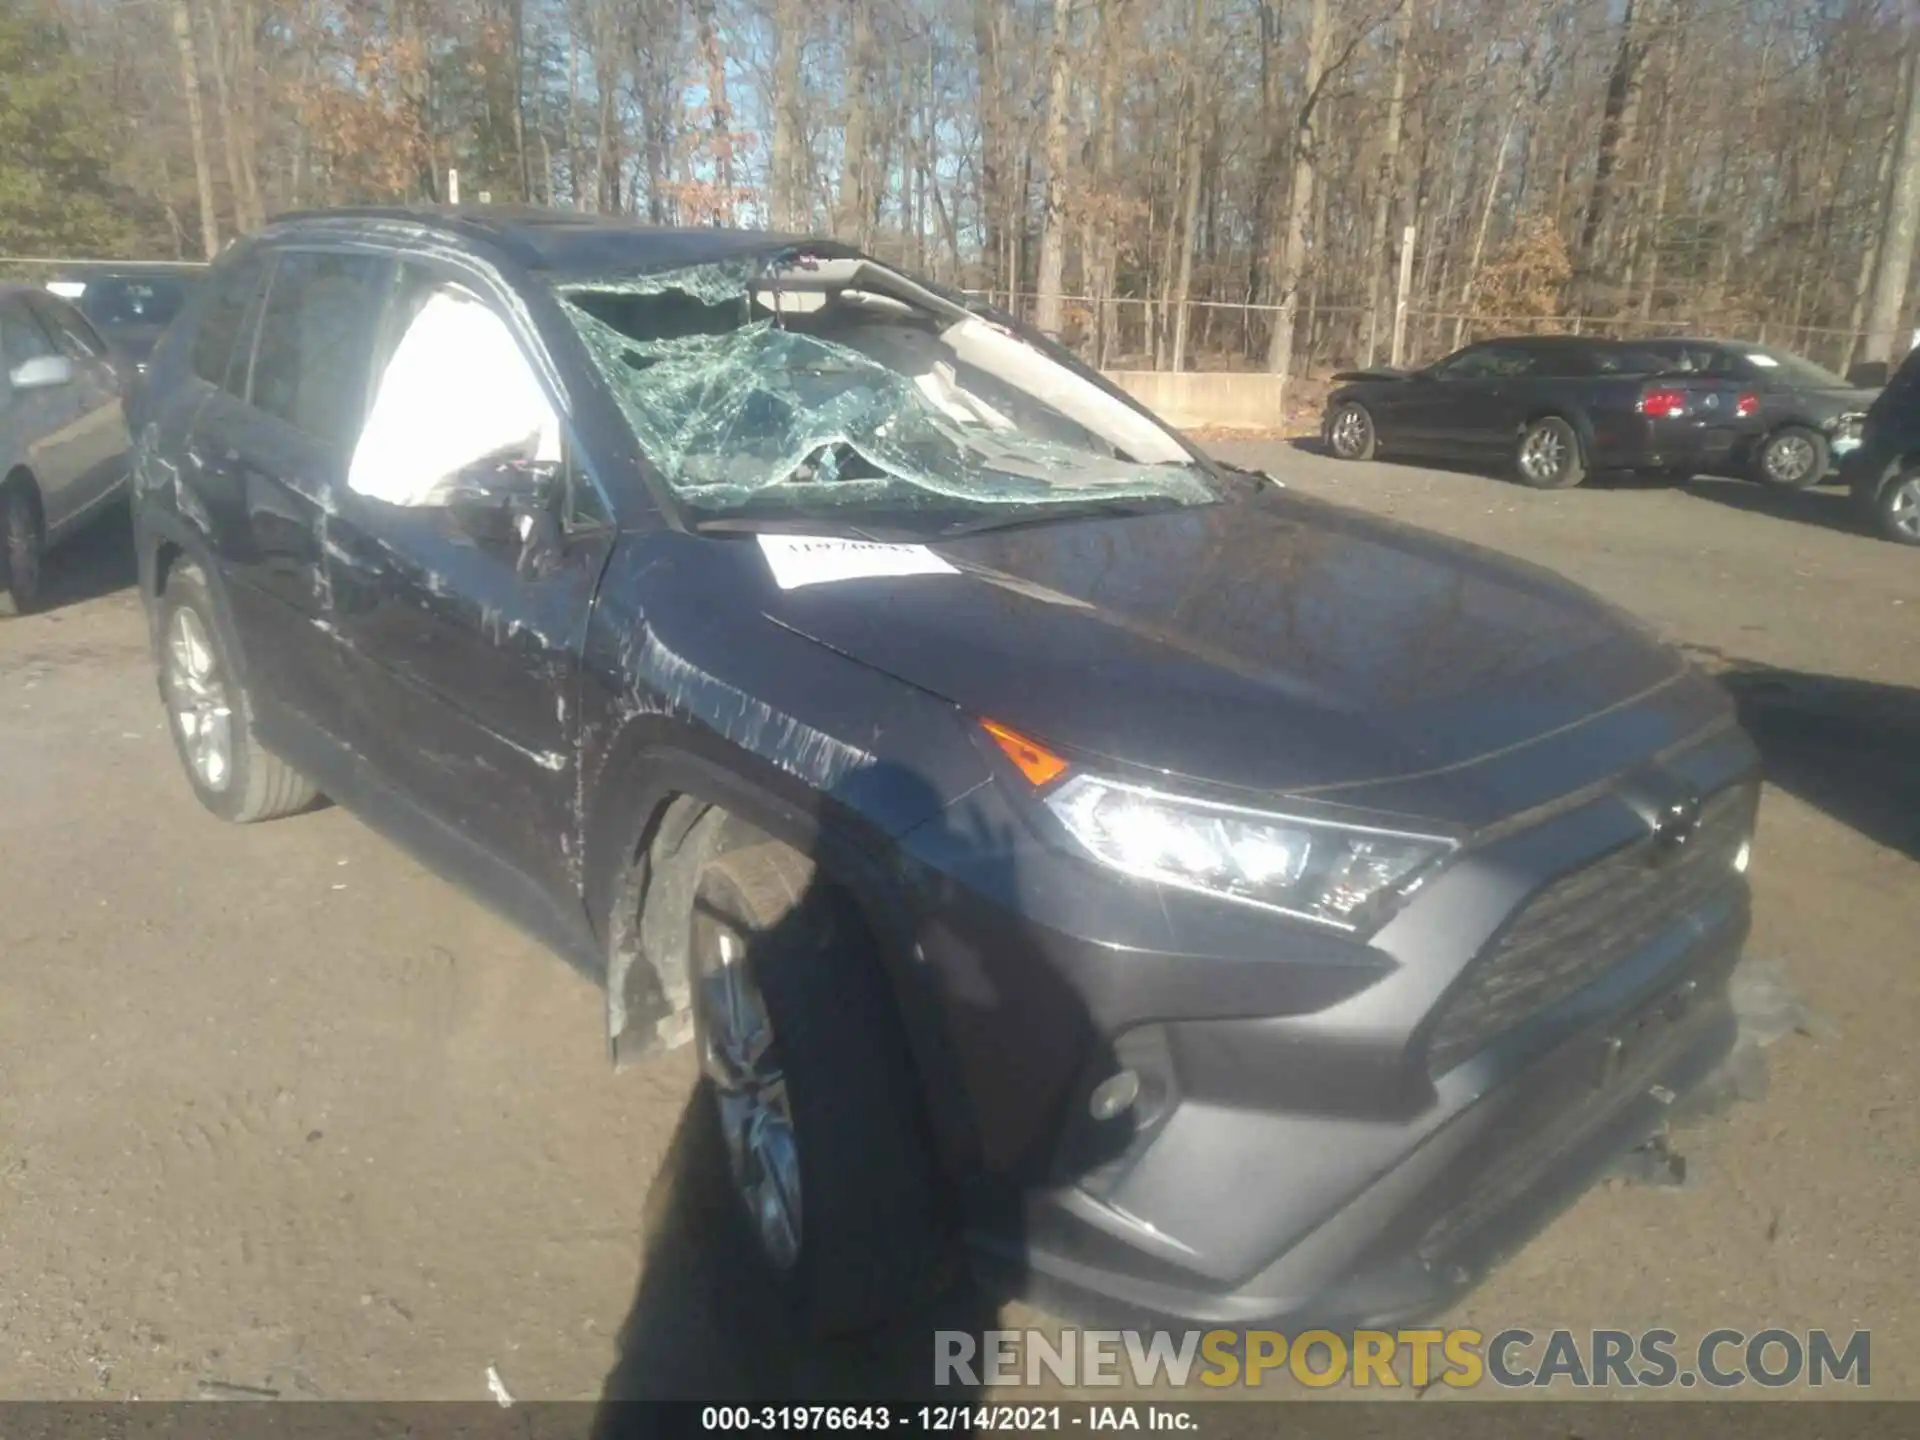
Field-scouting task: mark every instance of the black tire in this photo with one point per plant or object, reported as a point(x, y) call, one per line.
point(254, 784)
point(1351, 434)
point(1896, 509)
point(1548, 455)
point(873, 1238)
point(1793, 457)
point(22, 543)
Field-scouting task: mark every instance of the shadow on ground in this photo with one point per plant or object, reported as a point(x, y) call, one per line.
point(97, 561)
point(707, 1324)
point(1848, 747)
point(1828, 506)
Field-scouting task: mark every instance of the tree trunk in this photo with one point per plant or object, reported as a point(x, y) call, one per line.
point(1048, 313)
point(1870, 257)
point(1486, 219)
point(853, 217)
point(785, 179)
point(1899, 230)
point(220, 19)
point(1190, 186)
point(1381, 249)
point(183, 40)
point(1617, 124)
point(996, 243)
point(1293, 254)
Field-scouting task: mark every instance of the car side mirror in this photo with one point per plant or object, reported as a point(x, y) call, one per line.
point(43, 372)
point(1868, 375)
point(506, 502)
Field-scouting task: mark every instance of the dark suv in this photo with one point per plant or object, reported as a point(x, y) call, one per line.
point(1884, 473)
point(1208, 901)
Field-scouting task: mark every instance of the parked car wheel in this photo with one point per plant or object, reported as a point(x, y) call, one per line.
point(1794, 458)
point(1896, 508)
point(211, 717)
point(813, 1092)
point(1549, 455)
point(1350, 433)
point(20, 546)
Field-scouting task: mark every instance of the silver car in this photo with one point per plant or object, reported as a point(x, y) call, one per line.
point(63, 436)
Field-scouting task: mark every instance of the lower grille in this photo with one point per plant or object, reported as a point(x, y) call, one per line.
point(1582, 925)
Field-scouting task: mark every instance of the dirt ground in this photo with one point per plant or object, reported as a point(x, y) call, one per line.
point(279, 1110)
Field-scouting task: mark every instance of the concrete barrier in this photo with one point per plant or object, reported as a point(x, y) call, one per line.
point(1191, 398)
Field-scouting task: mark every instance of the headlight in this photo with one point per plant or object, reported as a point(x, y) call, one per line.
point(1314, 869)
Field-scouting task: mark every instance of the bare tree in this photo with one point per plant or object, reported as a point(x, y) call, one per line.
point(1899, 228)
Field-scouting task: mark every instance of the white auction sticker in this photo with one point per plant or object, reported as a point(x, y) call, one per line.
point(816, 560)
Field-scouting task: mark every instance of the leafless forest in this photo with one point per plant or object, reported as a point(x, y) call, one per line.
point(1743, 166)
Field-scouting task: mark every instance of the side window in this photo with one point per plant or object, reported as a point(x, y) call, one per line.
point(311, 363)
point(1486, 361)
point(218, 332)
point(457, 389)
point(22, 338)
point(70, 330)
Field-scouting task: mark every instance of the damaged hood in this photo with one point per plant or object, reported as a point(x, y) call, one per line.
point(1279, 645)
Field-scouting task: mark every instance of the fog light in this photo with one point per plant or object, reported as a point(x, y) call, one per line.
point(1742, 856)
point(1114, 1095)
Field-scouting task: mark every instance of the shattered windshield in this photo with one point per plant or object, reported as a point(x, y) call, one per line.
point(817, 387)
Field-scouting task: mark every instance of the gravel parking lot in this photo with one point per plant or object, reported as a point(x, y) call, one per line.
point(280, 1110)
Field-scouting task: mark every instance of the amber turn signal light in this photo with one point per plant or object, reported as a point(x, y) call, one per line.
point(1031, 758)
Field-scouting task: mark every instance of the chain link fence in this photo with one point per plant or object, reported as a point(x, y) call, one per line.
point(1136, 333)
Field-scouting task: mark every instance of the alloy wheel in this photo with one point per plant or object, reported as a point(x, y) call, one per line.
point(1903, 506)
point(1788, 459)
point(197, 696)
point(741, 1059)
point(1544, 454)
point(1351, 430)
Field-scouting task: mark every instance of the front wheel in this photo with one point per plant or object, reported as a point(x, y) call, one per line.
point(1793, 458)
point(813, 1093)
point(1549, 455)
point(1896, 510)
point(210, 715)
point(1350, 432)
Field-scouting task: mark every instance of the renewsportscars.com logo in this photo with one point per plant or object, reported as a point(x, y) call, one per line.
point(1388, 1359)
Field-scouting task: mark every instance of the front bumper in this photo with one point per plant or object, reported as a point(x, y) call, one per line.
point(1324, 1155)
point(1467, 1194)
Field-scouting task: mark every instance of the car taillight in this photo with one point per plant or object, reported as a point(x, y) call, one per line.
point(1747, 404)
point(1663, 403)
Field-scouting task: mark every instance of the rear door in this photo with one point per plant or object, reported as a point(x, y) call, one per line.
point(100, 425)
point(39, 421)
point(272, 444)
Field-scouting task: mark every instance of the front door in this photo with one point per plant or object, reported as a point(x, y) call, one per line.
point(465, 617)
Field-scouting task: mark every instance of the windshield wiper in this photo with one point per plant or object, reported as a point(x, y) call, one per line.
point(1114, 507)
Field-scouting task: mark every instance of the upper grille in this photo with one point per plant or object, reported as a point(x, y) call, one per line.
point(1580, 926)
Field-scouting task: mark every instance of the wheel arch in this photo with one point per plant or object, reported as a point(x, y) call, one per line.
point(663, 810)
point(20, 473)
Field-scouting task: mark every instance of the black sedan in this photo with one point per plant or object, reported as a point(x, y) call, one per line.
point(1556, 408)
point(131, 304)
point(1809, 417)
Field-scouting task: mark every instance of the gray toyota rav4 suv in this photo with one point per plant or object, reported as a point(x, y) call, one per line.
point(1207, 901)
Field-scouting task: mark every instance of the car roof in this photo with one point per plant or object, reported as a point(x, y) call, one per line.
point(558, 240)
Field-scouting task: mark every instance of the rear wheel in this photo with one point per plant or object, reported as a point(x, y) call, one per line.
point(1896, 509)
point(21, 541)
point(1794, 458)
point(1549, 455)
point(812, 1092)
point(210, 715)
point(1350, 433)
